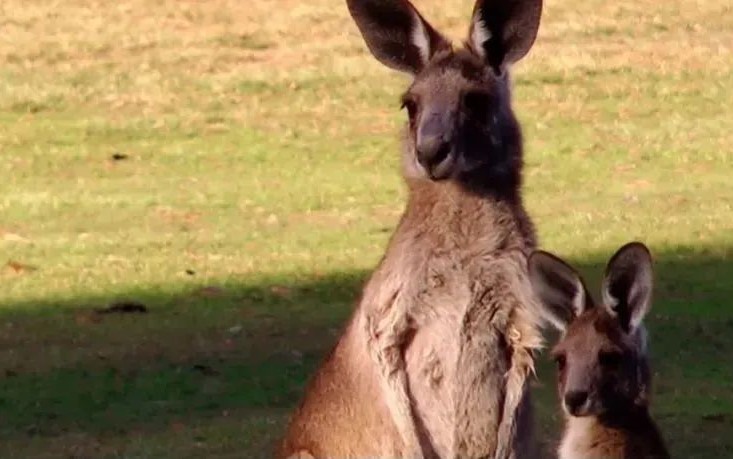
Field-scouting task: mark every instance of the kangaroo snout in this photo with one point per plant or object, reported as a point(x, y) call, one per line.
point(576, 402)
point(434, 155)
point(434, 148)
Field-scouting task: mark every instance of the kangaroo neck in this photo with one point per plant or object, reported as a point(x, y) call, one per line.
point(629, 434)
point(449, 210)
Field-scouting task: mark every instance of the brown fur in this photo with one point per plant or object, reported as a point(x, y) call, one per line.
point(603, 368)
point(435, 360)
point(633, 435)
point(456, 325)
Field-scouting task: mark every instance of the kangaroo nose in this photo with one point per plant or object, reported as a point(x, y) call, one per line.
point(432, 150)
point(433, 143)
point(575, 400)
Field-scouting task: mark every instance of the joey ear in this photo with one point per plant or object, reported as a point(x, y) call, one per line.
point(628, 284)
point(396, 34)
point(559, 287)
point(503, 31)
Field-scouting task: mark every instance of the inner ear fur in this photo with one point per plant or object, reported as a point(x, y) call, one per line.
point(628, 285)
point(503, 31)
point(559, 287)
point(396, 34)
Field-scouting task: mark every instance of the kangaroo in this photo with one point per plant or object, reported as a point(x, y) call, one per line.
point(435, 359)
point(603, 368)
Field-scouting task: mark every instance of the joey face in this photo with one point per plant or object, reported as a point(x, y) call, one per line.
point(599, 365)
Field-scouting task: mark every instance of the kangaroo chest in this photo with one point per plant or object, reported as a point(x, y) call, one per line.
point(461, 353)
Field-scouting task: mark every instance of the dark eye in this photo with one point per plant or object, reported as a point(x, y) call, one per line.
point(610, 359)
point(560, 361)
point(411, 106)
point(477, 104)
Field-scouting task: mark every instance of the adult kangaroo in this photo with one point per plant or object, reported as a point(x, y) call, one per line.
point(435, 360)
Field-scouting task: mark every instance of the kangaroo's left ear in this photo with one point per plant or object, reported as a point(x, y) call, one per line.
point(503, 31)
point(559, 288)
point(628, 285)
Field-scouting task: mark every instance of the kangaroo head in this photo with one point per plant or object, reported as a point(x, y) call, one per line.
point(602, 355)
point(460, 121)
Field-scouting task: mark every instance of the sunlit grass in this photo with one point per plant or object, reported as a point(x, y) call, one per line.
point(259, 185)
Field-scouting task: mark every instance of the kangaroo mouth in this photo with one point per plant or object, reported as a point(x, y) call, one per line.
point(441, 165)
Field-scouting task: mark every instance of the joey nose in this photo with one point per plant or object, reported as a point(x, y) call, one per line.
point(575, 400)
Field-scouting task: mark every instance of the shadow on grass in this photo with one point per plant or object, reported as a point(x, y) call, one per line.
point(234, 350)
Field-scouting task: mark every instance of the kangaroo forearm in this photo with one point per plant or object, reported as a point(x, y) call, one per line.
point(386, 336)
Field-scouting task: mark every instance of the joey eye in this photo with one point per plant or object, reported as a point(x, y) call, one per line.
point(610, 359)
point(560, 361)
point(477, 104)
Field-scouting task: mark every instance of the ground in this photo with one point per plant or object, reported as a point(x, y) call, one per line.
point(255, 185)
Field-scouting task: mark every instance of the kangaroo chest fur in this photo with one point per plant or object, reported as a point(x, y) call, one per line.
point(473, 331)
point(468, 329)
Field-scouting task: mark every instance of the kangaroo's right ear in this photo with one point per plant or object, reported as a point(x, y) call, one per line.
point(396, 34)
point(628, 285)
point(503, 31)
point(559, 287)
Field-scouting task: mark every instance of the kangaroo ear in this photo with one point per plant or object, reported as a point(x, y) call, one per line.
point(396, 34)
point(503, 31)
point(559, 287)
point(628, 285)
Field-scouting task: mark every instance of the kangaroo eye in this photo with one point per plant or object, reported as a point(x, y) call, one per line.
point(610, 359)
point(560, 361)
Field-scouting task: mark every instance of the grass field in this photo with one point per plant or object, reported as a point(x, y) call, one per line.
point(258, 187)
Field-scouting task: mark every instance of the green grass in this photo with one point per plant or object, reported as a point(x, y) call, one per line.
point(262, 155)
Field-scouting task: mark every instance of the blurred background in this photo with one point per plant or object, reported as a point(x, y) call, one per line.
point(192, 192)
